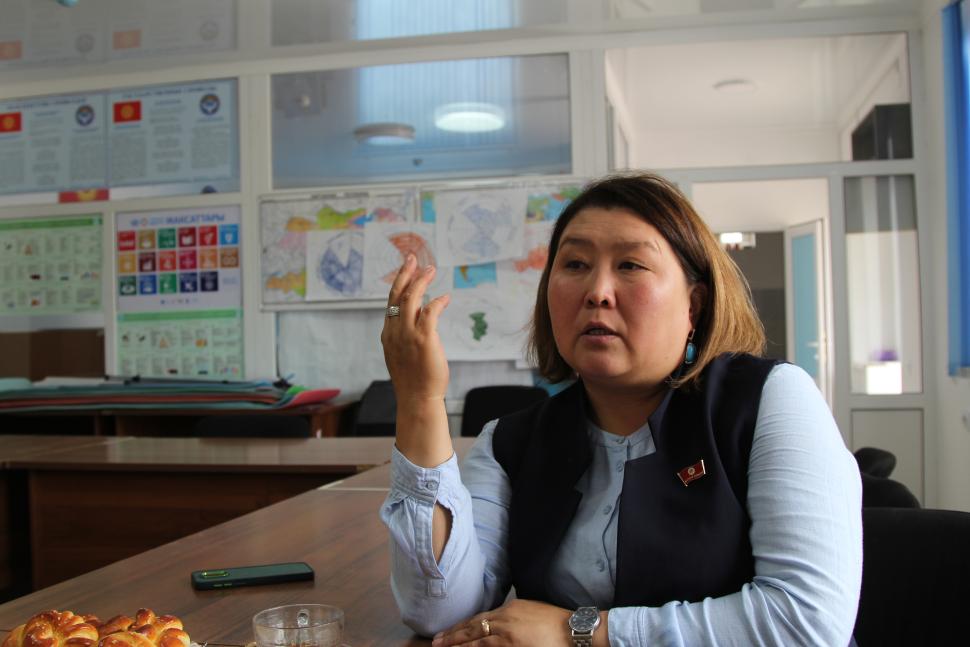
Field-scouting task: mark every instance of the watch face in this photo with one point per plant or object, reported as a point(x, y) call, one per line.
point(584, 619)
point(582, 625)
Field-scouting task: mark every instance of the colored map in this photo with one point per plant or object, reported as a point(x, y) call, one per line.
point(284, 226)
point(472, 276)
point(548, 206)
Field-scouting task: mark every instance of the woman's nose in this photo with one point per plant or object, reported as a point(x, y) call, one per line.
point(600, 292)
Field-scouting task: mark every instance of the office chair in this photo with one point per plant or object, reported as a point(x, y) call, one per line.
point(376, 411)
point(253, 426)
point(915, 577)
point(486, 403)
point(879, 492)
point(875, 461)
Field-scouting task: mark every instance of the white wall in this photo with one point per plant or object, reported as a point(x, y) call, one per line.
point(733, 146)
point(953, 395)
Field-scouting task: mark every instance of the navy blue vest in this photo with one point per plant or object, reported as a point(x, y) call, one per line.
point(674, 542)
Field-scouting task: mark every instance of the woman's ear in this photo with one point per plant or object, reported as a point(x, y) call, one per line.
point(698, 298)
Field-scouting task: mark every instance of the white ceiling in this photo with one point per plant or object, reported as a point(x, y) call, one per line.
point(770, 205)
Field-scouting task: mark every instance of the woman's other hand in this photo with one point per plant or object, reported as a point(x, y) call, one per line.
point(518, 622)
point(416, 362)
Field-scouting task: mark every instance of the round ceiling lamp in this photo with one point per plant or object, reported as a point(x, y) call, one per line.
point(469, 117)
point(384, 134)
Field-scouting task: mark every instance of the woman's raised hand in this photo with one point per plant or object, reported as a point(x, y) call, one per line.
point(416, 362)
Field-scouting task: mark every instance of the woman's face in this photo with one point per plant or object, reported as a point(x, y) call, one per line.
point(619, 301)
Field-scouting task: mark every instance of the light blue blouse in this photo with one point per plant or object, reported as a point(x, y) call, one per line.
point(804, 498)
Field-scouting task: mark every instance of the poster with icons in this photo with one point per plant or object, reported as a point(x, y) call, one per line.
point(50, 265)
point(173, 133)
point(53, 143)
point(191, 344)
point(179, 293)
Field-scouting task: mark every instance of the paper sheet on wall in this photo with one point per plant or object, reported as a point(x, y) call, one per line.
point(53, 143)
point(285, 225)
point(50, 265)
point(479, 226)
point(335, 265)
point(386, 245)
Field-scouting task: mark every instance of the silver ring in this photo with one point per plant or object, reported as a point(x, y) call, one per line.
point(393, 311)
point(487, 629)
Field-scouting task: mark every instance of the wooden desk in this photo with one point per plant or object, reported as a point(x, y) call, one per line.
point(14, 496)
point(337, 532)
point(101, 502)
point(325, 420)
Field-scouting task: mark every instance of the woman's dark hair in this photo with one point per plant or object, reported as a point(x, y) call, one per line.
point(727, 322)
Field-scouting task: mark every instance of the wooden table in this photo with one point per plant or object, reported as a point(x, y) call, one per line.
point(325, 419)
point(335, 529)
point(14, 494)
point(101, 502)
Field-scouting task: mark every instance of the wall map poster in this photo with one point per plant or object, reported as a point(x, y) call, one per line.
point(179, 292)
point(50, 265)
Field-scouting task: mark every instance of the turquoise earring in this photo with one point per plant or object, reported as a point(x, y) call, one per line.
point(690, 354)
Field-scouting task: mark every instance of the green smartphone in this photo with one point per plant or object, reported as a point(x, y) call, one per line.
point(225, 578)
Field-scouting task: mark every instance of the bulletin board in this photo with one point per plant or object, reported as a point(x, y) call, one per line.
point(489, 243)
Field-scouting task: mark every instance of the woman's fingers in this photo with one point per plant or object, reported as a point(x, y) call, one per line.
point(413, 295)
point(401, 280)
point(476, 628)
point(428, 320)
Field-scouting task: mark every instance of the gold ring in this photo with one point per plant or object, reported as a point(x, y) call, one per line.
point(487, 629)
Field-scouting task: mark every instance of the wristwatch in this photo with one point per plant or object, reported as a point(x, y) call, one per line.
point(582, 623)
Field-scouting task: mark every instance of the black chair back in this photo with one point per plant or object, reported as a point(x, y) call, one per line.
point(878, 492)
point(915, 578)
point(875, 461)
point(377, 410)
point(486, 403)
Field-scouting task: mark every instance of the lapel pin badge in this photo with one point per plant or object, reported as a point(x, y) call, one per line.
point(692, 472)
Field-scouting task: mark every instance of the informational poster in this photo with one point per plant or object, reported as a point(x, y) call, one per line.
point(179, 292)
point(79, 147)
point(53, 144)
point(173, 133)
point(289, 227)
point(50, 265)
point(181, 343)
point(43, 32)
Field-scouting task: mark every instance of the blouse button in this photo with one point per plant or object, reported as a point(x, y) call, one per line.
point(607, 509)
point(601, 565)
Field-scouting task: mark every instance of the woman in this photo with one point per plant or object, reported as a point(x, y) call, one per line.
point(684, 491)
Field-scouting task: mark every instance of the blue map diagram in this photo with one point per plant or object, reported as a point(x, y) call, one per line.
point(340, 268)
point(482, 226)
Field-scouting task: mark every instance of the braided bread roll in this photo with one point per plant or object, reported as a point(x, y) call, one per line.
point(55, 629)
point(65, 629)
point(146, 630)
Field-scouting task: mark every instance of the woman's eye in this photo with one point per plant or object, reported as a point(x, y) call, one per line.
point(630, 265)
point(573, 264)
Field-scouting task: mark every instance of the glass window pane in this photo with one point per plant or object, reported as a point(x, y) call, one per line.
point(467, 118)
point(299, 22)
point(632, 9)
point(882, 271)
point(766, 102)
point(43, 33)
